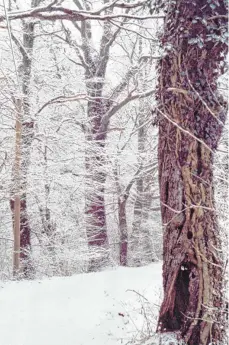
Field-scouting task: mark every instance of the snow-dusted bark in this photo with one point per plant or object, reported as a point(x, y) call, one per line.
point(27, 133)
point(97, 107)
point(96, 227)
point(140, 241)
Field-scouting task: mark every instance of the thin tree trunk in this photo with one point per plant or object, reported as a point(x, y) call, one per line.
point(122, 217)
point(49, 227)
point(139, 231)
point(140, 241)
point(16, 197)
point(191, 116)
point(27, 129)
point(123, 249)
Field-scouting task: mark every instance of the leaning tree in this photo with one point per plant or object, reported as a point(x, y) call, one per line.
point(191, 116)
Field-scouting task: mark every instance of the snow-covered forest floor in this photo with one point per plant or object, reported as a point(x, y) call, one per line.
point(118, 306)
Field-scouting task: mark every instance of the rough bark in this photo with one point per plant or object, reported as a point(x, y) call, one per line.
point(191, 116)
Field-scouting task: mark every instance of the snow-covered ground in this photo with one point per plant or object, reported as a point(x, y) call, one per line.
point(105, 308)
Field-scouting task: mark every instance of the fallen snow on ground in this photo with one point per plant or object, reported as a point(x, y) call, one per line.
point(85, 309)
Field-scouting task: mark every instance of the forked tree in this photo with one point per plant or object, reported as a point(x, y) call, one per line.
point(101, 107)
point(191, 117)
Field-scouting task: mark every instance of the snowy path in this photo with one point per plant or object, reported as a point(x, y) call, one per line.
point(78, 310)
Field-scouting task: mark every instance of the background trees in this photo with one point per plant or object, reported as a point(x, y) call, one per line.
point(82, 84)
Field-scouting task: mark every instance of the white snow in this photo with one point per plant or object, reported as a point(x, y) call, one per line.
point(82, 309)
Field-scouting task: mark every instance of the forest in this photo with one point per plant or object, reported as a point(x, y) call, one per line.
point(114, 172)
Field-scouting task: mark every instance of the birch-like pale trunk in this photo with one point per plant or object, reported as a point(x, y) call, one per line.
point(27, 134)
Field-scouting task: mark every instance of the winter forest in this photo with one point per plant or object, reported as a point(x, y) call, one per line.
point(113, 172)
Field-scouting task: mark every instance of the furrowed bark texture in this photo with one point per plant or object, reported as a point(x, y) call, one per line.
point(195, 44)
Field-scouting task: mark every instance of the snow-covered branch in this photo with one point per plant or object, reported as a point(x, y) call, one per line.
point(52, 13)
point(117, 107)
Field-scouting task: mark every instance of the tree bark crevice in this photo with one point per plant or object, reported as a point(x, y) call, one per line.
point(192, 276)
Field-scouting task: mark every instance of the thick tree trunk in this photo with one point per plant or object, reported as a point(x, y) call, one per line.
point(191, 116)
point(96, 227)
point(95, 68)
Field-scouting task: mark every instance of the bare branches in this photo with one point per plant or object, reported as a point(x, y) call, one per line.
point(122, 5)
point(64, 99)
point(122, 85)
point(121, 104)
point(132, 31)
point(19, 45)
point(52, 13)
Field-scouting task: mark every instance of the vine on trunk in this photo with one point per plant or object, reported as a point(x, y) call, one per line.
point(191, 116)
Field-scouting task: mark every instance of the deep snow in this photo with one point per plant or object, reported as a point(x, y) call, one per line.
point(85, 309)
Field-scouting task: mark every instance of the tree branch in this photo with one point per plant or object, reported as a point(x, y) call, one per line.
point(129, 98)
point(20, 46)
point(53, 13)
point(64, 99)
